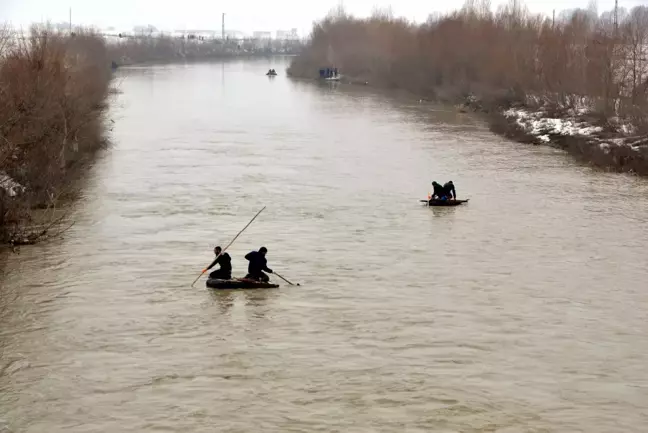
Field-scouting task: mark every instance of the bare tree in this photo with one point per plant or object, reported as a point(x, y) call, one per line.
point(635, 36)
point(52, 92)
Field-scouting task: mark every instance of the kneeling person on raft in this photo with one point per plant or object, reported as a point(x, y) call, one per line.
point(257, 265)
point(439, 191)
point(444, 192)
point(449, 190)
point(225, 262)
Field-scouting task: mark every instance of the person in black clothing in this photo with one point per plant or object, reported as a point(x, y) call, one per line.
point(449, 190)
point(257, 265)
point(225, 262)
point(439, 192)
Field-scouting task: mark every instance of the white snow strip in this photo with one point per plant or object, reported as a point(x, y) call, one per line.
point(10, 186)
point(627, 129)
point(535, 124)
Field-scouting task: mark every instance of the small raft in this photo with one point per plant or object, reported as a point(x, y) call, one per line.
point(238, 283)
point(435, 202)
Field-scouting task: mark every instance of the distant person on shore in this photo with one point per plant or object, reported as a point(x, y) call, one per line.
point(258, 264)
point(449, 190)
point(439, 192)
point(225, 262)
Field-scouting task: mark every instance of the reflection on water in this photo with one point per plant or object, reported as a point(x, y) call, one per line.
point(254, 303)
point(523, 310)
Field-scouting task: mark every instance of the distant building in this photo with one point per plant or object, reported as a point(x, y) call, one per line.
point(262, 35)
point(287, 34)
point(234, 34)
point(61, 27)
point(145, 30)
point(201, 34)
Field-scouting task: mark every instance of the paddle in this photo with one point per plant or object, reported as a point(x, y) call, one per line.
point(285, 279)
point(230, 244)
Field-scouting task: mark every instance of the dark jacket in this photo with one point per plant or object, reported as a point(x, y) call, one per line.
point(449, 190)
point(439, 191)
point(257, 264)
point(225, 262)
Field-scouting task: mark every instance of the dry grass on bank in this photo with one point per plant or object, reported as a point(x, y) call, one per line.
point(52, 95)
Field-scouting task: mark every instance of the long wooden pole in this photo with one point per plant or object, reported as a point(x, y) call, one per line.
point(230, 244)
point(284, 279)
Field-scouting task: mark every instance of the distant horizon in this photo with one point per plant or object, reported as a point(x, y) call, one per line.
point(202, 17)
point(278, 33)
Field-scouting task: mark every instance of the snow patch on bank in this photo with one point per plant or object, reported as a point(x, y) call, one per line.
point(10, 186)
point(543, 128)
point(536, 124)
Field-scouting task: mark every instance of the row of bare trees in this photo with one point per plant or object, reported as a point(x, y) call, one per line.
point(53, 89)
point(166, 48)
point(162, 48)
point(578, 54)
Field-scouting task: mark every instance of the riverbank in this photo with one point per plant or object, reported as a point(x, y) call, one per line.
point(53, 93)
point(606, 142)
point(529, 76)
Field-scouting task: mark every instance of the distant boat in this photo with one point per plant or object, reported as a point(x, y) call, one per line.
point(330, 73)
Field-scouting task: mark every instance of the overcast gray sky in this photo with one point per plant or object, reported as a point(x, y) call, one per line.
point(243, 15)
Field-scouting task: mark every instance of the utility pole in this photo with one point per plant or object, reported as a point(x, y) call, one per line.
point(616, 19)
point(223, 28)
point(553, 19)
point(70, 21)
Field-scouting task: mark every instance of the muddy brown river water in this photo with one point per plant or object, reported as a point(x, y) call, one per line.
point(524, 311)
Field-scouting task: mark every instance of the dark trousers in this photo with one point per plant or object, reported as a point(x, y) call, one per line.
point(220, 274)
point(260, 276)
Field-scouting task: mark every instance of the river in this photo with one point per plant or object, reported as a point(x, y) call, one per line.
point(523, 311)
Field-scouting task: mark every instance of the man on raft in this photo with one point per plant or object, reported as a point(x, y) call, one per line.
point(450, 190)
point(225, 262)
point(257, 265)
point(444, 192)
